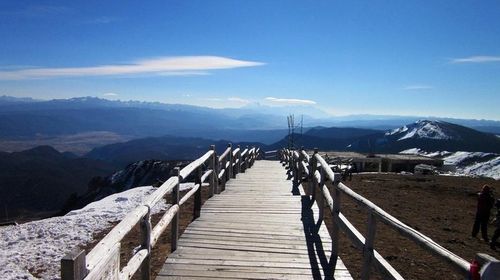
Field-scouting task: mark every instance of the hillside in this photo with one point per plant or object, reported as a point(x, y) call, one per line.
point(340, 132)
point(42, 179)
point(160, 148)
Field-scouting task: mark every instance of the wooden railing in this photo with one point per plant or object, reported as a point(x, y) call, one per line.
point(103, 261)
point(316, 172)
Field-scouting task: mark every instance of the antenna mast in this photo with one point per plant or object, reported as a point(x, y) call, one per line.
point(291, 130)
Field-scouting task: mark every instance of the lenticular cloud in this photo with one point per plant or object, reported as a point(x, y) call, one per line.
point(163, 65)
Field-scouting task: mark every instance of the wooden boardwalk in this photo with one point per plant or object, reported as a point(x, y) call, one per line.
point(258, 228)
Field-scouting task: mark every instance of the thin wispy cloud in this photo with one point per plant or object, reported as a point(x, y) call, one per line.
point(179, 65)
point(101, 20)
point(37, 11)
point(418, 87)
point(110, 94)
point(290, 101)
point(239, 100)
point(476, 59)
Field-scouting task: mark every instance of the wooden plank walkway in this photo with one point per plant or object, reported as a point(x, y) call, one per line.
point(255, 229)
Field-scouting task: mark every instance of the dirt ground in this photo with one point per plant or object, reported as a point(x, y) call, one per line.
point(440, 207)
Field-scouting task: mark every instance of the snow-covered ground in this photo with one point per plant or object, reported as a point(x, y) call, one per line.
point(37, 247)
point(467, 163)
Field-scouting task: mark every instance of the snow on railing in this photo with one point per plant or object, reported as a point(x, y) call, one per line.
point(103, 261)
point(316, 171)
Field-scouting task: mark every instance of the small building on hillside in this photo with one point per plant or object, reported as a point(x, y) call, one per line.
point(379, 162)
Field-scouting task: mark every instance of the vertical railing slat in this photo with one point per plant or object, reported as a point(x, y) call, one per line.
point(175, 220)
point(146, 244)
point(368, 246)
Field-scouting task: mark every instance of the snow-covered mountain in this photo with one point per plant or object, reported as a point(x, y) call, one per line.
point(421, 129)
point(467, 163)
point(429, 135)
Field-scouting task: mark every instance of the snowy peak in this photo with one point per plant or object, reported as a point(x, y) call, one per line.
point(424, 129)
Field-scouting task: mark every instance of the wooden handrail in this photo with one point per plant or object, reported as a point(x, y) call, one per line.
point(104, 257)
point(318, 171)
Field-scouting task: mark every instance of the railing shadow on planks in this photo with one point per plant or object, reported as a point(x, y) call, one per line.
point(316, 172)
point(103, 261)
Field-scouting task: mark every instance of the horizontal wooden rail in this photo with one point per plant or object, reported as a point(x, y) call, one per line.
point(104, 259)
point(317, 170)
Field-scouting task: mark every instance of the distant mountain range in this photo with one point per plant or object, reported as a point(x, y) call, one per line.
point(26, 119)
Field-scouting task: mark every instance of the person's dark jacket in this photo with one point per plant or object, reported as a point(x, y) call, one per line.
point(485, 202)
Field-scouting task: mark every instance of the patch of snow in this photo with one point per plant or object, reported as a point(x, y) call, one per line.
point(438, 154)
point(489, 168)
point(412, 151)
point(459, 157)
point(466, 163)
point(397, 130)
point(38, 246)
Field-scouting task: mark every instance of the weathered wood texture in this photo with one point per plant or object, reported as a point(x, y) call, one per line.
point(256, 229)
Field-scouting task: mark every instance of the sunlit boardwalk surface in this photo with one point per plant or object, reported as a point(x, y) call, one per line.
point(258, 228)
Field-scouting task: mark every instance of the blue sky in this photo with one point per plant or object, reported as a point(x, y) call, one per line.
point(426, 58)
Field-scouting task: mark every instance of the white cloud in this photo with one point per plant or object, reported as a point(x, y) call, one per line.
point(476, 59)
point(187, 65)
point(418, 87)
point(290, 101)
point(110, 94)
point(184, 73)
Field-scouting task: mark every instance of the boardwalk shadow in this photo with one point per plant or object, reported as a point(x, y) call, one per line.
point(317, 257)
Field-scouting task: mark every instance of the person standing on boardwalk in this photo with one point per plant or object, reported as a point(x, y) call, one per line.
point(484, 204)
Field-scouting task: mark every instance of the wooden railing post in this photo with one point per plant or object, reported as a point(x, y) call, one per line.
point(231, 161)
point(368, 246)
point(320, 197)
point(336, 219)
point(247, 158)
point(73, 265)
point(301, 167)
point(313, 164)
point(211, 165)
point(238, 166)
point(215, 164)
point(146, 244)
point(175, 220)
point(197, 194)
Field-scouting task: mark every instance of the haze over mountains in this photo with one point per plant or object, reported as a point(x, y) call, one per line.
point(26, 119)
